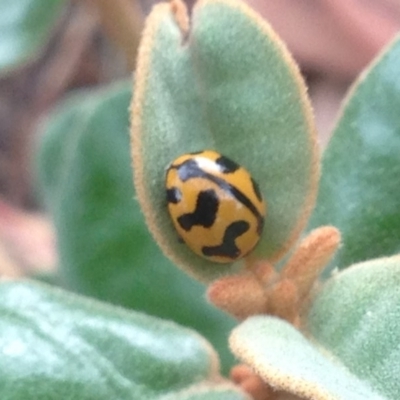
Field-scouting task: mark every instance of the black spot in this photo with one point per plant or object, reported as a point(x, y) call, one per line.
point(228, 247)
point(256, 189)
point(205, 213)
point(174, 195)
point(226, 165)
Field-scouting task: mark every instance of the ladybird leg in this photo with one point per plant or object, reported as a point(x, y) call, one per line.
point(311, 256)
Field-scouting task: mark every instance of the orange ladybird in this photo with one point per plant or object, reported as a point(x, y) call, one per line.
point(215, 205)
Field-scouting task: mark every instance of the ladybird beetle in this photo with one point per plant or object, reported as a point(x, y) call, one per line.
point(215, 205)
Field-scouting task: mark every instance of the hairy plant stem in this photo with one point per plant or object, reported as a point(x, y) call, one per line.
point(123, 22)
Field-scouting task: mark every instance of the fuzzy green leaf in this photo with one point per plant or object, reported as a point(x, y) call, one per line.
point(357, 318)
point(351, 348)
point(105, 248)
point(287, 361)
point(228, 84)
point(55, 345)
point(24, 28)
point(359, 189)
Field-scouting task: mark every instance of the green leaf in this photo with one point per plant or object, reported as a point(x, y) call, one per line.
point(226, 84)
point(287, 361)
point(357, 318)
point(61, 133)
point(105, 248)
point(359, 189)
point(350, 350)
point(55, 345)
point(25, 26)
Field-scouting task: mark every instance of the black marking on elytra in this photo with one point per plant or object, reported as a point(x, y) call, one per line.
point(174, 195)
point(228, 246)
point(205, 213)
point(227, 166)
point(189, 169)
point(256, 189)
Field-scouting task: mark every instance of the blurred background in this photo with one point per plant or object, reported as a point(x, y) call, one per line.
point(83, 44)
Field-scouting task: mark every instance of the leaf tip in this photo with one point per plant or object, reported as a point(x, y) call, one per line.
point(180, 13)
